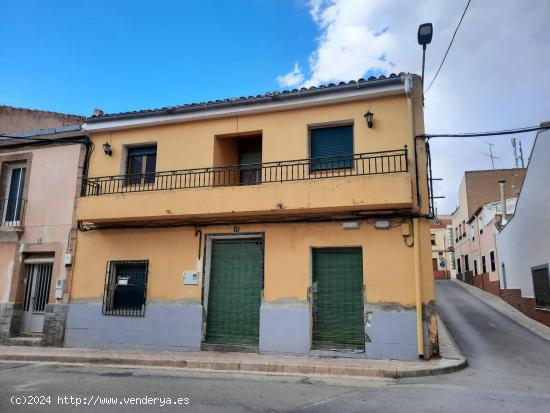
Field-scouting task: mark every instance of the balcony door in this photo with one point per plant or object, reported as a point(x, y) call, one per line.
point(13, 202)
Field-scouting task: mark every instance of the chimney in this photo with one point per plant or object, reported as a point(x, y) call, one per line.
point(502, 201)
point(98, 112)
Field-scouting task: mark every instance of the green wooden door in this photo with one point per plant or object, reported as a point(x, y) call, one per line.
point(338, 320)
point(236, 272)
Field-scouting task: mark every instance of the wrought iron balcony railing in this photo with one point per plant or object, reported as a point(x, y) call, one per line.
point(385, 162)
point(12, 212)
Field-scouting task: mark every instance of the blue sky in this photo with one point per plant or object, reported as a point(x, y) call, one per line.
point(125, 55)
point(73, 56)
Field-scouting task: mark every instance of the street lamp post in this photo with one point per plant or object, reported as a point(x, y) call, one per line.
point(425, 32)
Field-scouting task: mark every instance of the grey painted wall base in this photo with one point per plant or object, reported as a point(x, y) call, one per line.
point(392, 335)
point(55, 316)
point(285, 328)
point(164, 327)
point(10, 319)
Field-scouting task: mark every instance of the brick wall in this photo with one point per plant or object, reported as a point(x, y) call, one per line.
point(484, 282)
point(441, 275)
point(526, 305)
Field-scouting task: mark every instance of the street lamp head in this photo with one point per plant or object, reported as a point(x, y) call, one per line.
point(425, 32)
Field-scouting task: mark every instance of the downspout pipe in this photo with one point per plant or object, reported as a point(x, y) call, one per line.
point(502, 202)
point(418, 288)
point(409, 88)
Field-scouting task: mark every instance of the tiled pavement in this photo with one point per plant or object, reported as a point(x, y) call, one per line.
point(451, 360)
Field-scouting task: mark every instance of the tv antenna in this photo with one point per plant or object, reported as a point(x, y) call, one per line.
point(490, 154)
point(518, 158)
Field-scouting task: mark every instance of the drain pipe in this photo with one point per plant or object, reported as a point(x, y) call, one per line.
point(418, 288)
point(409, 91)
point(502, 202)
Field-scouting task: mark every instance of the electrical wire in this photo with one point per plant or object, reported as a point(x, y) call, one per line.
point(481, 134)
point(448, 48)
point(7, 138)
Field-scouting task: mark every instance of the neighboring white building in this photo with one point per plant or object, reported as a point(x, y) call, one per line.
point(523, 245)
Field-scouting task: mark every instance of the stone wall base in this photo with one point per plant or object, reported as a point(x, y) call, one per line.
point(10, 319)
point(55, 316)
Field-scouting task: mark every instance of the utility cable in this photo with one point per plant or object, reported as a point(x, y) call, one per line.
point(448, 48)
point(481, 134)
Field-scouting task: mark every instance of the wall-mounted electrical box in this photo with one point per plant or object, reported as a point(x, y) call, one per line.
point(191, 277)
point(351, 225)
point(59, 289)
point(68, 259)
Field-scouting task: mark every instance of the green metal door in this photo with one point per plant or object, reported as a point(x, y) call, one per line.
point(236, 272)
point(337, 293)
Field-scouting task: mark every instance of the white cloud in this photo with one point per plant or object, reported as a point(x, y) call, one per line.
point(292, 78)
point(493, 77)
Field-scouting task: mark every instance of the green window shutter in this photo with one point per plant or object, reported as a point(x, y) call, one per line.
point(246, 158)
point(142, 150)
point(250, 171)
point(234, 298)
point(338, 303)
point(335, 143)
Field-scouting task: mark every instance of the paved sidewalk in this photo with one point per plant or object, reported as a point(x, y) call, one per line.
point(503, 307)
point(451, 360)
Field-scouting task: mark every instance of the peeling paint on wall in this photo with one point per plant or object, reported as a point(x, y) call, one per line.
point(430, 318)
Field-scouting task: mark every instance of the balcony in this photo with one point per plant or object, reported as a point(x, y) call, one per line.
point(367, 181)
point(12, 211)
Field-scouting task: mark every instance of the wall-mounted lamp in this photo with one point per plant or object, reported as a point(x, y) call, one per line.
point(382, 224)
point(107, 149)
point(369, 117)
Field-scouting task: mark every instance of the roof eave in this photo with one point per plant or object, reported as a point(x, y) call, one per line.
point(309, 97)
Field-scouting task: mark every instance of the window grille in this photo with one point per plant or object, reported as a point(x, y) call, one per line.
point(125, 288)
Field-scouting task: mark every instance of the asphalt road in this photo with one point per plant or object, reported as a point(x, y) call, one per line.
point(509, 372)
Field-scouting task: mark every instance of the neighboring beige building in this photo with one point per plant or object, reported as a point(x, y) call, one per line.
point(441, 239)
point(14, 119)
point(38, 190)
point(473, 222)
point(484, 226)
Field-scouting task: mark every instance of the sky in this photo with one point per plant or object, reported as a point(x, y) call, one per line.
point(123, 55)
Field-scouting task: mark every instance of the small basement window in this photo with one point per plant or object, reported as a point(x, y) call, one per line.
point(141, 165)
point(331, 147)
point(541, 286)
point(125, 288)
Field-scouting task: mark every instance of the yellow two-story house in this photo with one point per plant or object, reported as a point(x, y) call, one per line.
point(292, 222)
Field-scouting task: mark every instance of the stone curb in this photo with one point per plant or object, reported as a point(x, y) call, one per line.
point(507, 310)
point(435, 367)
